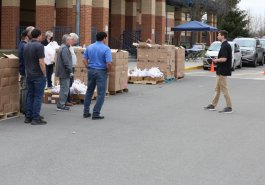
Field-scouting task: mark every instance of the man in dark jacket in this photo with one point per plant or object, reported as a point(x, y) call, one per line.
point(223, 69)
point(23, 82)
point(64, 71)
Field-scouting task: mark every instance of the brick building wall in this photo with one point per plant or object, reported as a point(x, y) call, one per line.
point(160, 21)
point(45, 17)
point(117, 18)
point(9, 23)
point(131, 18)
point(64, 12)
point(148, 20)
point(85, 22)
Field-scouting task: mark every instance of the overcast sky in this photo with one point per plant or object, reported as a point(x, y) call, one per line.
point(256, 7)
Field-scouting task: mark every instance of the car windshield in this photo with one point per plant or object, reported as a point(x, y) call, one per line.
point(197, 46)
point(262, 43)
point(215, 46)
point(246, 43)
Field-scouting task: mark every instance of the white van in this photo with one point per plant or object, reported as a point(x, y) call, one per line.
point(213, 51)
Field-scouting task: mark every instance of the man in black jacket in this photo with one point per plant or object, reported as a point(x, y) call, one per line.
point(223, 69)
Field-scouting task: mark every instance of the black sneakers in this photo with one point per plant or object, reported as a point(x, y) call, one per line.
point(38, 122)
point(226, 110)
point(210, 107)
point(97, 117)
point(86, 115)
point(63, 108)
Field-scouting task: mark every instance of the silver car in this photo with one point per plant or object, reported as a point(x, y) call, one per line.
point(213, 51)
point(252, 52)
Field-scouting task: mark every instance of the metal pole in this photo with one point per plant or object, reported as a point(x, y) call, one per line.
point(77, 26)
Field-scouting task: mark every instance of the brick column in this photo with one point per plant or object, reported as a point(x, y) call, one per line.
point(131, 15)
point(85, 21)
point(64, 12)
point(100, 15)
point(178, 20)
point(45, 15)
point(160, 21)
point(9, 23)
point(148, 19)
point(117, 18)
point(210, 35)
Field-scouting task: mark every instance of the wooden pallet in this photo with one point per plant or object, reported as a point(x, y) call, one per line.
point(6, 116)
point(146, 82)
point(119, 91)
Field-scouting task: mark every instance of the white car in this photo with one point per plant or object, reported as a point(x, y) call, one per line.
point(213, 51)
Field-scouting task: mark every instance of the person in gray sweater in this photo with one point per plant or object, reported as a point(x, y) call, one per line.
point(64, 71)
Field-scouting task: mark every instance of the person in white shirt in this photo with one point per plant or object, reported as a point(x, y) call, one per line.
point(74, 39)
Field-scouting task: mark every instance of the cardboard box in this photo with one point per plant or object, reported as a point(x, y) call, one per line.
point(47, 97)
point(5, 99)
point(10, 72)
point(4, 63)
point(54, 99)
point(13, 80)
point(180, 62)
point(4, 82)
point(8, 108)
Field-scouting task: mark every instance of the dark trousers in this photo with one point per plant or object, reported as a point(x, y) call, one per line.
point(64, 89)
point(49, 72)
point(96, 77)
point(71, 83)
point(23, 94)
point(36, 87)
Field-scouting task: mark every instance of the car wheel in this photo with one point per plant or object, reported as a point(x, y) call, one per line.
point(255, 63)
point(234, 66)
point(262, 62)
point(240, 64)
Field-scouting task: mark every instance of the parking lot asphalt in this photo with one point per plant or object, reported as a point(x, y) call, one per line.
point(153, 135)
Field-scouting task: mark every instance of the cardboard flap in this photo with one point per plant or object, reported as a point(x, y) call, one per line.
point(11, 56)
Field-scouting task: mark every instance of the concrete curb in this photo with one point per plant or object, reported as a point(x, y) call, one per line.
point(193, 68)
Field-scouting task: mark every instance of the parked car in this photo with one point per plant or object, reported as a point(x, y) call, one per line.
point(213, 51)
point(252, 52)
point(196, 48)
point(262, 42)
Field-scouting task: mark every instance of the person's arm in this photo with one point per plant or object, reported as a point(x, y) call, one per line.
point(224, 55)
point(67, 61)
point(42, 66)
point(109, 67)
point(108, 58)
point(220, 60)
point(85, 58)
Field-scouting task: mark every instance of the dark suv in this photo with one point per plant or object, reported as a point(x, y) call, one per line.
point(262, 41)
point(252, 52)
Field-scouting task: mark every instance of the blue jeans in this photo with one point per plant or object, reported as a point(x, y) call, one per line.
point(96, 77)
point(49, 72)
point(36, 87)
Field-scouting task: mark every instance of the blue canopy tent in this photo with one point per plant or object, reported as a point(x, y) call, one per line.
point(195, 26)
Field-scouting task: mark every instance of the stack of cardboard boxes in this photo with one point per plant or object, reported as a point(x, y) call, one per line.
point(118, 76)
point(80, 69)
point(9, 85)
point(180, 62)
point(162, 57)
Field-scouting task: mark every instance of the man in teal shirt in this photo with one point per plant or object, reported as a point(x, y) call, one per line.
point(97, 58)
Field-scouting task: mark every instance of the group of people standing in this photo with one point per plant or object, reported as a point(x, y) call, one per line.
point(34, 72)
